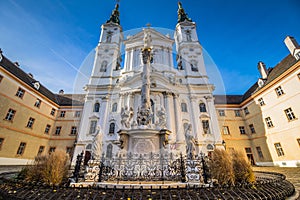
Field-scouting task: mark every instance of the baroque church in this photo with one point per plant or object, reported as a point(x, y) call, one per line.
point(154, 100)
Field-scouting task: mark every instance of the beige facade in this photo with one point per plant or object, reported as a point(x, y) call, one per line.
point(30, 115)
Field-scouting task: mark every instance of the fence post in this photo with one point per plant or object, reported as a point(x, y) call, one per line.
point(182, 169)
point(77, 166)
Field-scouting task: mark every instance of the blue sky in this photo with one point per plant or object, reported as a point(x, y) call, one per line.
point(52, 38)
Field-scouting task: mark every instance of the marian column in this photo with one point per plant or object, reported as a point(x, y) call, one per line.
point(144, 114)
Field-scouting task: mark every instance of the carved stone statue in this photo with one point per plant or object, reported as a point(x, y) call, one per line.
point(126, 116)
point(144, 116)
point(97, 144)
point(123, 141)
point(189, 139)
point(147, 39)
point(161, 114)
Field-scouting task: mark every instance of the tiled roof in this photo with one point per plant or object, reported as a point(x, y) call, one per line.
point(228, 99)
point(62, 100)
point(279, 69)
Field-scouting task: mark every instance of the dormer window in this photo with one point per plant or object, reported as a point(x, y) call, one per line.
point(36, 85)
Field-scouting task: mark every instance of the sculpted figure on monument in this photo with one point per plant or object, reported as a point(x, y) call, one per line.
point(97, 144)
point(147, 39)
point(126, 116)
point(161, 114)
point(189, 139)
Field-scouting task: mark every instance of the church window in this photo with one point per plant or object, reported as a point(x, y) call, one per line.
point(205, 125)
point(202, 107)
point(103, 66)
point(183, 107)
point(93, 127)
point(188, 35)
point(111, 128)
point(109, 36)
point(109, 150)
point(97, 107)
point(194, 67)
point(114, 107)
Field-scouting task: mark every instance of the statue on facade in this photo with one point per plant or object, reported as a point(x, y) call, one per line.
point(147, 39)
point(182, 16)
point(144, 116)
point(162, 121)
point(123, 141)
point(115, 15)
point(126, 116)
point(189, 139)
point(97, 144)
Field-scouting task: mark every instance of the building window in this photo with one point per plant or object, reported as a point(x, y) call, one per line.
point(111, 128)
point(242, 130)
point(37, 103)
point(62, 114)
point(21, 148)
point(194, 67)
point(269, 122)
point(259, 152)
point(279, 91)
point(279, 149)
point(109, 150)
point(188, 35)
point(10, 115)
point(1, 142)
point(114, 107)
point(52, 149)
point(202, 107)
point(221, 113)
point(205, 125)
point(183, 107)
point(103, 66)
point(41, 150)
point(20, 93)
point(77, 113)
point(47, 129)
point(298, 140)
point(73, 130)
point(69, 150)
point(252, 129)
point(52, 112)
point(93, 127)
point(289, 114)
point(237, 113)
point(261, 101)
point(248, 150)
point(246, 111)
point(1, 77)
point(30, 122)
point(226, 130)
point(96, 107)
point(58, 130)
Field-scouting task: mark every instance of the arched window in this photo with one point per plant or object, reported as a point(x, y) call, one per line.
point(114, 107)
point(109, 151)
point(111, 128)
point(96, 107)
point(202, 107)
point(103, 66)
point(183, 107)
point(194, 64)
point(188, 35)
point(205, 126)
point(109, 36)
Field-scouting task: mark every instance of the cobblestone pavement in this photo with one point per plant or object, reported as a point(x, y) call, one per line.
point(292, 173)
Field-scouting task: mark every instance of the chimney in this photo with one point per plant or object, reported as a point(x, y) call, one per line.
point(30, 75)
point(17, 64)
point(293, 46)
point(262, 70)
point(61, 91)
